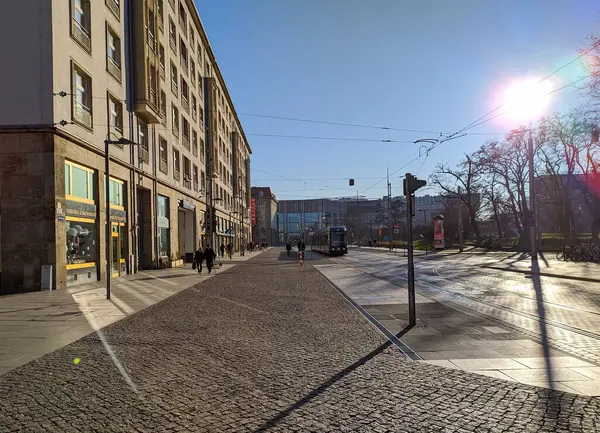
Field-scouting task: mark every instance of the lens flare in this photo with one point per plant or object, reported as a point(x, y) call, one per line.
point(526, 100)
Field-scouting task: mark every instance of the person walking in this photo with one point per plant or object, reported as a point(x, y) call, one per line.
point(288, 248)
point(230, 250)
point(209, 257)
point(199, 258)
point(222, 249)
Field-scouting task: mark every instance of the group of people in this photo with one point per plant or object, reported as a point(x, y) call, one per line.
point(207, 256)
point(301, 246)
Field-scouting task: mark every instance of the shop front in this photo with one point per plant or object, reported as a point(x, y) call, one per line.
point(164, 232)
point(80, 217)
point(118, 228)
point(187, 230)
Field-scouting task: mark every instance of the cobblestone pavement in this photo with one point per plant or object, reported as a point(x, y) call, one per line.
point(266, 346)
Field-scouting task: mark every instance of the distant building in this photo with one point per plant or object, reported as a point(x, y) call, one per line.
point(426, 207)
point(264, 227)
point(299, 217)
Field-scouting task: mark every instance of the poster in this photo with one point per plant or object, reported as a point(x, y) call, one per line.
point(438, 234)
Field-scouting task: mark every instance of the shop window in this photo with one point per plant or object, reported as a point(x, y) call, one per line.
point(81, 243)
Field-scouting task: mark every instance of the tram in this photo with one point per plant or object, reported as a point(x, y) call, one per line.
point(330, 241)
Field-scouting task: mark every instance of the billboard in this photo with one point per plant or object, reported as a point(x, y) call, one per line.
point(253, 211)
point(438, 233)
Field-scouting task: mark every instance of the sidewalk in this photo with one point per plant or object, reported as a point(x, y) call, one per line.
point(267, 345)
point(33, 324)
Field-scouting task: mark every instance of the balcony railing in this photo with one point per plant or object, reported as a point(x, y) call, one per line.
point(183, 24)
point(195, 185)
point(161, 24)
point(163, 166)
point(82, 114)
point(187, 182)
point(174, 87)
point(176, 130)
point(114, 7)
point(113, 67)
point(184, 64)
point(185, 103)
point(81, 34)
point(163, 73)
point(172, 3)
point(195, 150)
point(186, 141)
point(176, 174)
point(194, 114)
point(144, 154)
point(173, 44)
point(152, 97)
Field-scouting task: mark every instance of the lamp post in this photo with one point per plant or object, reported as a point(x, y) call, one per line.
point(107, 143)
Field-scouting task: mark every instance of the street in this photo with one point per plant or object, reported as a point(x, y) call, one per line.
point(267, 345)
point(482, 312)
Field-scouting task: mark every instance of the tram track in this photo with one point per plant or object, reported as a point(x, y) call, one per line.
point(474, 300)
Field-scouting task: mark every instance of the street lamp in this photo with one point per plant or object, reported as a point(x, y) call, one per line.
point(107, 143)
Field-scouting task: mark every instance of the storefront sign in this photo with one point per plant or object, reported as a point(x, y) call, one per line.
point(253, 211)
point(118, 215)
point(80, 210)
point(186, 205)
point(162, 222)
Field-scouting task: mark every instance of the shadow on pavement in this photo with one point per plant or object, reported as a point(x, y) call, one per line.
point(273, 421)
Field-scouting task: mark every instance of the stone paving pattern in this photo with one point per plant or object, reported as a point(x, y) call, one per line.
point(266, 346)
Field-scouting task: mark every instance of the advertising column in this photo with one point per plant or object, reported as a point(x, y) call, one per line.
point(438, 232)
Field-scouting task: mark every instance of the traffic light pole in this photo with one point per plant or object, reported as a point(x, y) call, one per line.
point(411, 184)
point(412, 316)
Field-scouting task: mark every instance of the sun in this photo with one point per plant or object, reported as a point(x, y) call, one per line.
point(527, 100)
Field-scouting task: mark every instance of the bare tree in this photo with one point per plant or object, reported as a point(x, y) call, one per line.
point(468, 176)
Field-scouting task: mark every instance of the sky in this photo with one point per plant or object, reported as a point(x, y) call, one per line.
point(427, 65)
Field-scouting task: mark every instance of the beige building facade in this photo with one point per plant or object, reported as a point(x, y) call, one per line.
point(85, 71)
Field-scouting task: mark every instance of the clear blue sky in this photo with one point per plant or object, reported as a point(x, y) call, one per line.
point(432, 65)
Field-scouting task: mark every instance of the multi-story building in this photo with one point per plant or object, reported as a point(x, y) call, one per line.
point(264, 225)
point(295, 218)
point(86, 71)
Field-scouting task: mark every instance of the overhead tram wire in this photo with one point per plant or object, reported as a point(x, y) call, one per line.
point(364, 140)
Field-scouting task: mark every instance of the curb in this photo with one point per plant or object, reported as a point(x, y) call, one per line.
point(403, 348)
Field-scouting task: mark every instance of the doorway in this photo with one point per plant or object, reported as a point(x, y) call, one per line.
point(118, 239)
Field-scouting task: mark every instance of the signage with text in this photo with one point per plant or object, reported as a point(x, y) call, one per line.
point(253, 211)
point(80, 210)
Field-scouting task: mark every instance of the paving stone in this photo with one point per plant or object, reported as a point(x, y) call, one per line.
point(267, 345)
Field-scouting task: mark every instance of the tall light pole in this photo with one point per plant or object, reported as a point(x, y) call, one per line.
point(532, 207)
point(108, 233)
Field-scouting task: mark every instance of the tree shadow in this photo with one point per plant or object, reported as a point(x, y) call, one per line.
point(277, 418)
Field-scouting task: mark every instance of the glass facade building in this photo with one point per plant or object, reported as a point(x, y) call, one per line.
point(297, 218)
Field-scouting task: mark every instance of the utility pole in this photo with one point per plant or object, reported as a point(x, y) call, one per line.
point(411, 184)
point(532, 210)
point(389, 209)
point(460, 224)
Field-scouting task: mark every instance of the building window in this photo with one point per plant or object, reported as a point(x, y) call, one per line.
point(201, 117)
point(151, 29)
point(116, 191)
point(115, 115)
point(187, 173)
point(186, 132)
point(195, 174)
point(143, 140)
point(202, 149)
point(163, 151)
point(185, 95)
point(193, 72)
point(194, 108)
point(172, 35)
point(202, 181)
point(161, 13)
point(192, 39)
point(115, 7)
point(161, 60)
point(200, 85)
point(195, 143)
point(113, 53)
point(81, 242)
point(81, 23)
point(81, 97)
point(163, 103)
point(174, 79)
point(79, 183)
point(175, 120)
point(183, 55)
point(176, 165)
point(164, 242)
point(182, 18)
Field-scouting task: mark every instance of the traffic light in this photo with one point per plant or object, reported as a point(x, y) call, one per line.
point(351, 182)
point(411, 184)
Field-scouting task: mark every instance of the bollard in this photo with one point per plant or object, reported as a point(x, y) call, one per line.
point(301, 258)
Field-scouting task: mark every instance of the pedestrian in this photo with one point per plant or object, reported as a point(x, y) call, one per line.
point(199, 258)
point(288, 248)
point(209, 257)
point(222, 249)
point(230, 250)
